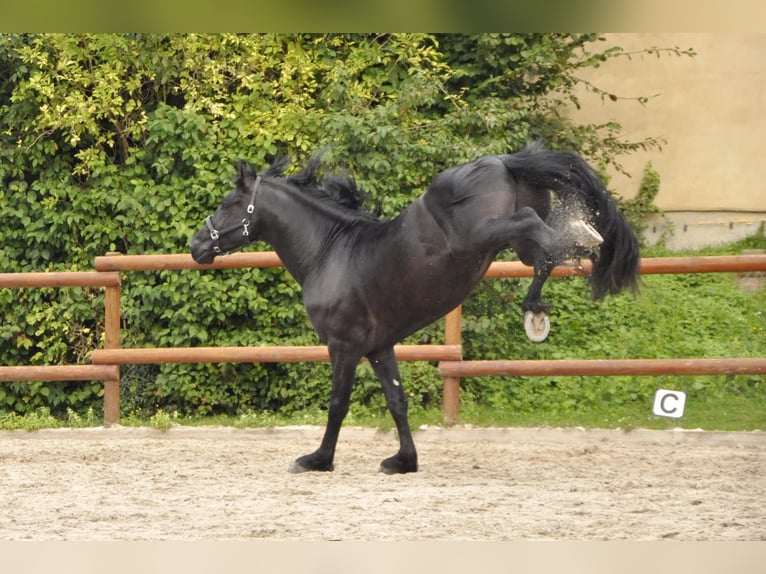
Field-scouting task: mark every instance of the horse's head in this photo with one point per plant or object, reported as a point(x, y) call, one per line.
point(228, 229)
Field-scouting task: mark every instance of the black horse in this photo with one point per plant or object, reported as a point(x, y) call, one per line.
point(368, 283)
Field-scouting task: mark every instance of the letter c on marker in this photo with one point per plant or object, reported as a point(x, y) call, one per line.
point(669, 403)
point(665, 409)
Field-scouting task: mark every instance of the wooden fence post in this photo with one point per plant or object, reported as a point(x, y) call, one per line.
point(451, 393)
point(112, 341)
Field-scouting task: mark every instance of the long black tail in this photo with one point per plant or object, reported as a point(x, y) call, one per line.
point(616, 266)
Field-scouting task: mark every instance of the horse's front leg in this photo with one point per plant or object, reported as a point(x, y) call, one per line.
point(386, 368)
point(343, 372)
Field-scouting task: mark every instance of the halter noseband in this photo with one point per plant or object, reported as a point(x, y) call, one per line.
point(245, 224)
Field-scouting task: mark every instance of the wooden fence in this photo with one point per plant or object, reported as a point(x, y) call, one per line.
point(110, 374)
point(453, 371)
point(106, 361)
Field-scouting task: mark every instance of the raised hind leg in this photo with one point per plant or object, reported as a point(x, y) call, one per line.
point(524, 228)
point(343, 373)
point(577, 238)
point(533, 301)
point(543, 247)
point(386, 368)
point(537, 245)
point(537, 325)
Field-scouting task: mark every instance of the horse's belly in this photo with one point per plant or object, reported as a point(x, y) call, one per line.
point(415, 300)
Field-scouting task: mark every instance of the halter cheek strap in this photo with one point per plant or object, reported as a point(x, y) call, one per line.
point(245, 224)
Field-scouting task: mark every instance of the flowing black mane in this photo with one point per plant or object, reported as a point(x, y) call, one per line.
point(338, 189)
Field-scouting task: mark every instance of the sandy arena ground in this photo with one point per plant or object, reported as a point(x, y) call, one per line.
point(474, 484)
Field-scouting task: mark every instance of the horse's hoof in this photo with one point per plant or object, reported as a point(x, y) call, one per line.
point(304, 465)
point(395, 465)
point(537, 326)
point(585, 235)
point(297, 468)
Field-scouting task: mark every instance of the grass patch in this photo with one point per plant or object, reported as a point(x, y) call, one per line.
point(727, 412)
point(43, 419)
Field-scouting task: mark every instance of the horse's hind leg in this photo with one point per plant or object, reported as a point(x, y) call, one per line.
point(543, 265)
point(386, 368)
point(537, 245)
point(343, 372)
point(575, 239)
point(523, 231)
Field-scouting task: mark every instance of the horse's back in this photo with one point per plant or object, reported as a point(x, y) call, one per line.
point(463, 198)
point(468, 180)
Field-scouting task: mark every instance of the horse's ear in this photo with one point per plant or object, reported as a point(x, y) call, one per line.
point(244, 171)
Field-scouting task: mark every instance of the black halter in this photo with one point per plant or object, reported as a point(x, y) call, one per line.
point(245, 224)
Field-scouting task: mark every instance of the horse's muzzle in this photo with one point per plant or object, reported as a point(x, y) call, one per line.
point(202, 250)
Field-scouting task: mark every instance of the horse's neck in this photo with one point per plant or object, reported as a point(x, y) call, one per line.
point(297, 227)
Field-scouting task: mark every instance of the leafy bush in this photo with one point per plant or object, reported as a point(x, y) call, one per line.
point(637, 209)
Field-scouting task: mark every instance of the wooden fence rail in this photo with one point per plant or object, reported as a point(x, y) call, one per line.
point(270, 354)
point(603, 367)
point(649, 265)
point(60, 279)
point(452, 367)
point(60, 373)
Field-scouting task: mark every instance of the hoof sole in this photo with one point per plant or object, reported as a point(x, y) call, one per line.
point(537, 326)
point(585, 235)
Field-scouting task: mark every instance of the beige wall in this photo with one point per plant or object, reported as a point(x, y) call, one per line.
point(711, 110)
